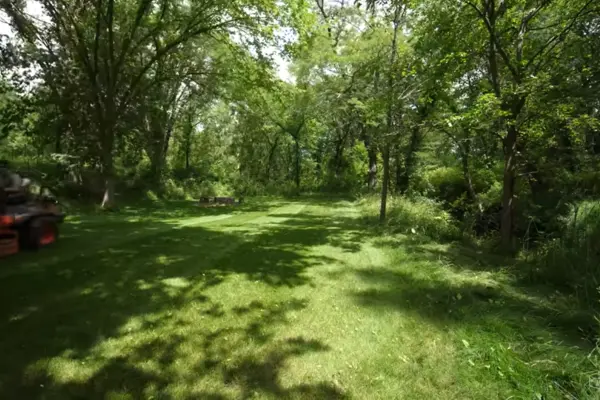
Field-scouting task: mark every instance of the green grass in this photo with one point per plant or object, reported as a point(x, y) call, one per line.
point(275, 300)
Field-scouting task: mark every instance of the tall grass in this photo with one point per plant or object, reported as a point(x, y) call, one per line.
point(417, 216)
point(573, 259)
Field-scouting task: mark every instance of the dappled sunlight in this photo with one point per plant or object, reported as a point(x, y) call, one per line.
point(115, 305)
point(167, 260)
point(186, 351)
point(299, 302)
point(176, 282)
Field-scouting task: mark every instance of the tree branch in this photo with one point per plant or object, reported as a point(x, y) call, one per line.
point(143, 8)
point(556, 39)
point(168, 48)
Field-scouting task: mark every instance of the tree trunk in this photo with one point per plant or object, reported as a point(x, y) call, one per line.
point(508, 186)
point(339, 152)
point(108, 199)
point(297, 159)
point(108, 140)
point(3, 197)
point(372, 175)
point(270, 159)
point(465, 155)
point(410, 160)
point(187, 135)
point(157, 161)
point(160, 134)
point(187, 156)
point(58, 138)
point(167, 141)
point(60, 170)
point(390, 121)
point(385, 184)
point(399, 169)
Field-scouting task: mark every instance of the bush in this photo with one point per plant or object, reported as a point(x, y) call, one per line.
point(245, 186)
point(151, 196)
point(193, 189)
point(447, 185)
point(173, 190)
point(414, 216)
point(350, 175)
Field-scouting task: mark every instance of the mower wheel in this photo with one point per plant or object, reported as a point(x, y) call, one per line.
point(38, 233)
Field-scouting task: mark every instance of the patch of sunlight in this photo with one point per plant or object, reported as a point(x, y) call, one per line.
point(133, 219)
point(134, 324)
point(167, 260)
point(115, 347)
point(116, 251)
point(133, 334)
point(290, 209)
point(143, 285)
point(22, 315)
point(176, 282)
point(460, 278)
point(198, 220)
point(62, 370)
point(556, 301)
point(442, 269)
point(98, 289)
point(118, 395)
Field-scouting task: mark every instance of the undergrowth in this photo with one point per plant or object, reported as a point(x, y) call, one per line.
point(497, 347)
point(572, 260)
point(419, 216)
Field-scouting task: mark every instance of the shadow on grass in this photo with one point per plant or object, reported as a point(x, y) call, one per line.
point(250, 374)
point(547, 348)
point(107, 272)
point(346, 233)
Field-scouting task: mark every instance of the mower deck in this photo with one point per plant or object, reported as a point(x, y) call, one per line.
point(28, 226)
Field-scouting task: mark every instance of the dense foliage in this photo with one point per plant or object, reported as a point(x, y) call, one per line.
point(487, 109)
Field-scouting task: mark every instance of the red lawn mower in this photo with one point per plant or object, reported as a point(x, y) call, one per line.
point(29, 226)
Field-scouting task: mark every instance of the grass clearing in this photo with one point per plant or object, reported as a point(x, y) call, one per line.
point(285, 299)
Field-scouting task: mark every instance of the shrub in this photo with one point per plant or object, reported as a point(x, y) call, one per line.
point(414, 216)
point(444, 184)
point(448, 186)
point(173, 190)
point(150, 195)
point(245, 186)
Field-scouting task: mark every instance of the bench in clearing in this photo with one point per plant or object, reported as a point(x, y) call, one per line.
point(218, 201)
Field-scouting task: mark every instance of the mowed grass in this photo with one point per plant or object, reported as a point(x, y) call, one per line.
point(275, 300)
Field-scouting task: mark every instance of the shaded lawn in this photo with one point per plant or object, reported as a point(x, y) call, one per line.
point(281, 300)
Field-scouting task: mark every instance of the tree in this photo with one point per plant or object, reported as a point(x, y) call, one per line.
point(115, 46)
point(524, 36)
